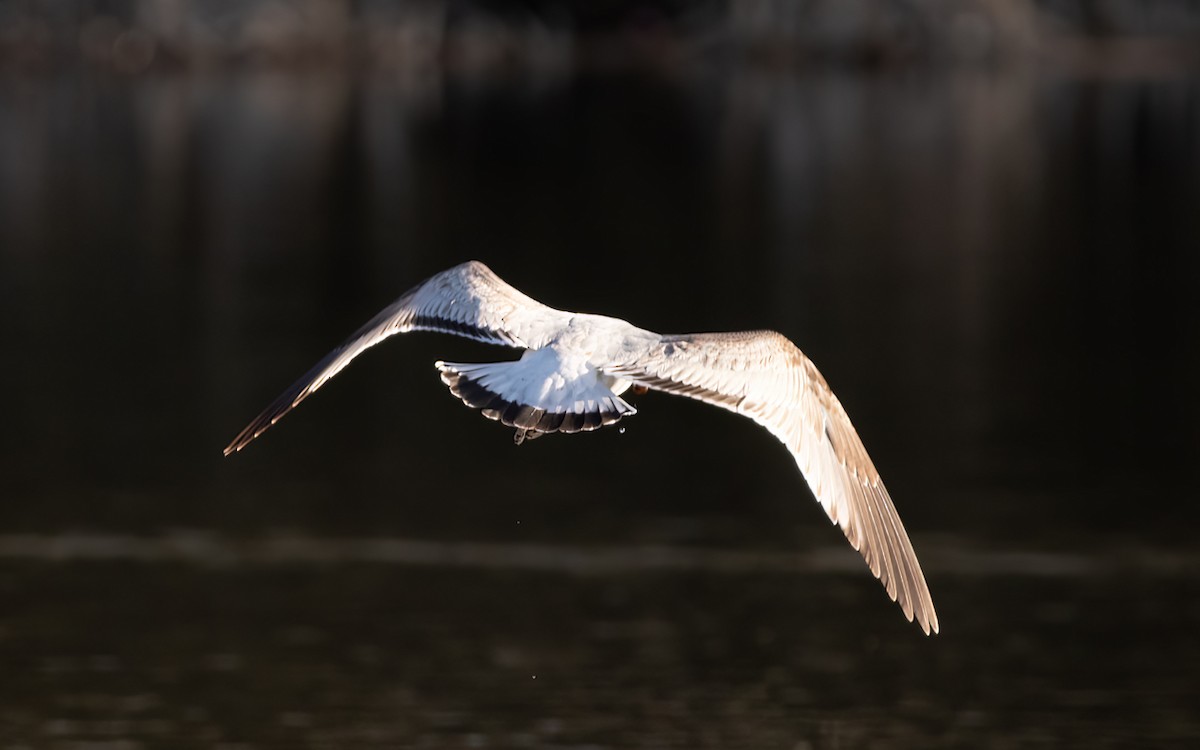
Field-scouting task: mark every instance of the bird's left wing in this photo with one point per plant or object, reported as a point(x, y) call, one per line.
point(762, 375)
point(468, 300)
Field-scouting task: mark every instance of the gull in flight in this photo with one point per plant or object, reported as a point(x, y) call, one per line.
point(576, 366)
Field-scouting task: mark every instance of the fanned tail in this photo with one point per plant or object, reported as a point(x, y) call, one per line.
point(503, 392)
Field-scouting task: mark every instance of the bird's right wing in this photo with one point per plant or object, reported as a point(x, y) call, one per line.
point(762, 375)
point(468, 300)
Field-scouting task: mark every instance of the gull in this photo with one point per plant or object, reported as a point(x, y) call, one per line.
point(576, 366)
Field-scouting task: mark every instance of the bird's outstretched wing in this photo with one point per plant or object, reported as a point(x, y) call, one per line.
point(467, 300)
point(762, 375)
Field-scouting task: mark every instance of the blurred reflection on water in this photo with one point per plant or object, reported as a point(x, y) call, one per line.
point(995, 269)
point(991, 264)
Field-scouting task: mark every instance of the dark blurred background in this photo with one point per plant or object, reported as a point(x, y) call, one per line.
point(979, 217)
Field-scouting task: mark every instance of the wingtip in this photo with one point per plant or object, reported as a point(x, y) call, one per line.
point(924, 616)
point(241, 441)
point(928, 622)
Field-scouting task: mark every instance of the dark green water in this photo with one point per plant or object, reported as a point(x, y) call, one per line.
point(995, 271)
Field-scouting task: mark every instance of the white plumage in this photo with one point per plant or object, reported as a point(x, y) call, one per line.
point(576, 366)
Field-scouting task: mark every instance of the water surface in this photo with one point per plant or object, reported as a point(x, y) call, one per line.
point(994, 269)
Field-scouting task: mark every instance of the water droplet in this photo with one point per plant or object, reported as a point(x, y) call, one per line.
point(622, 430)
